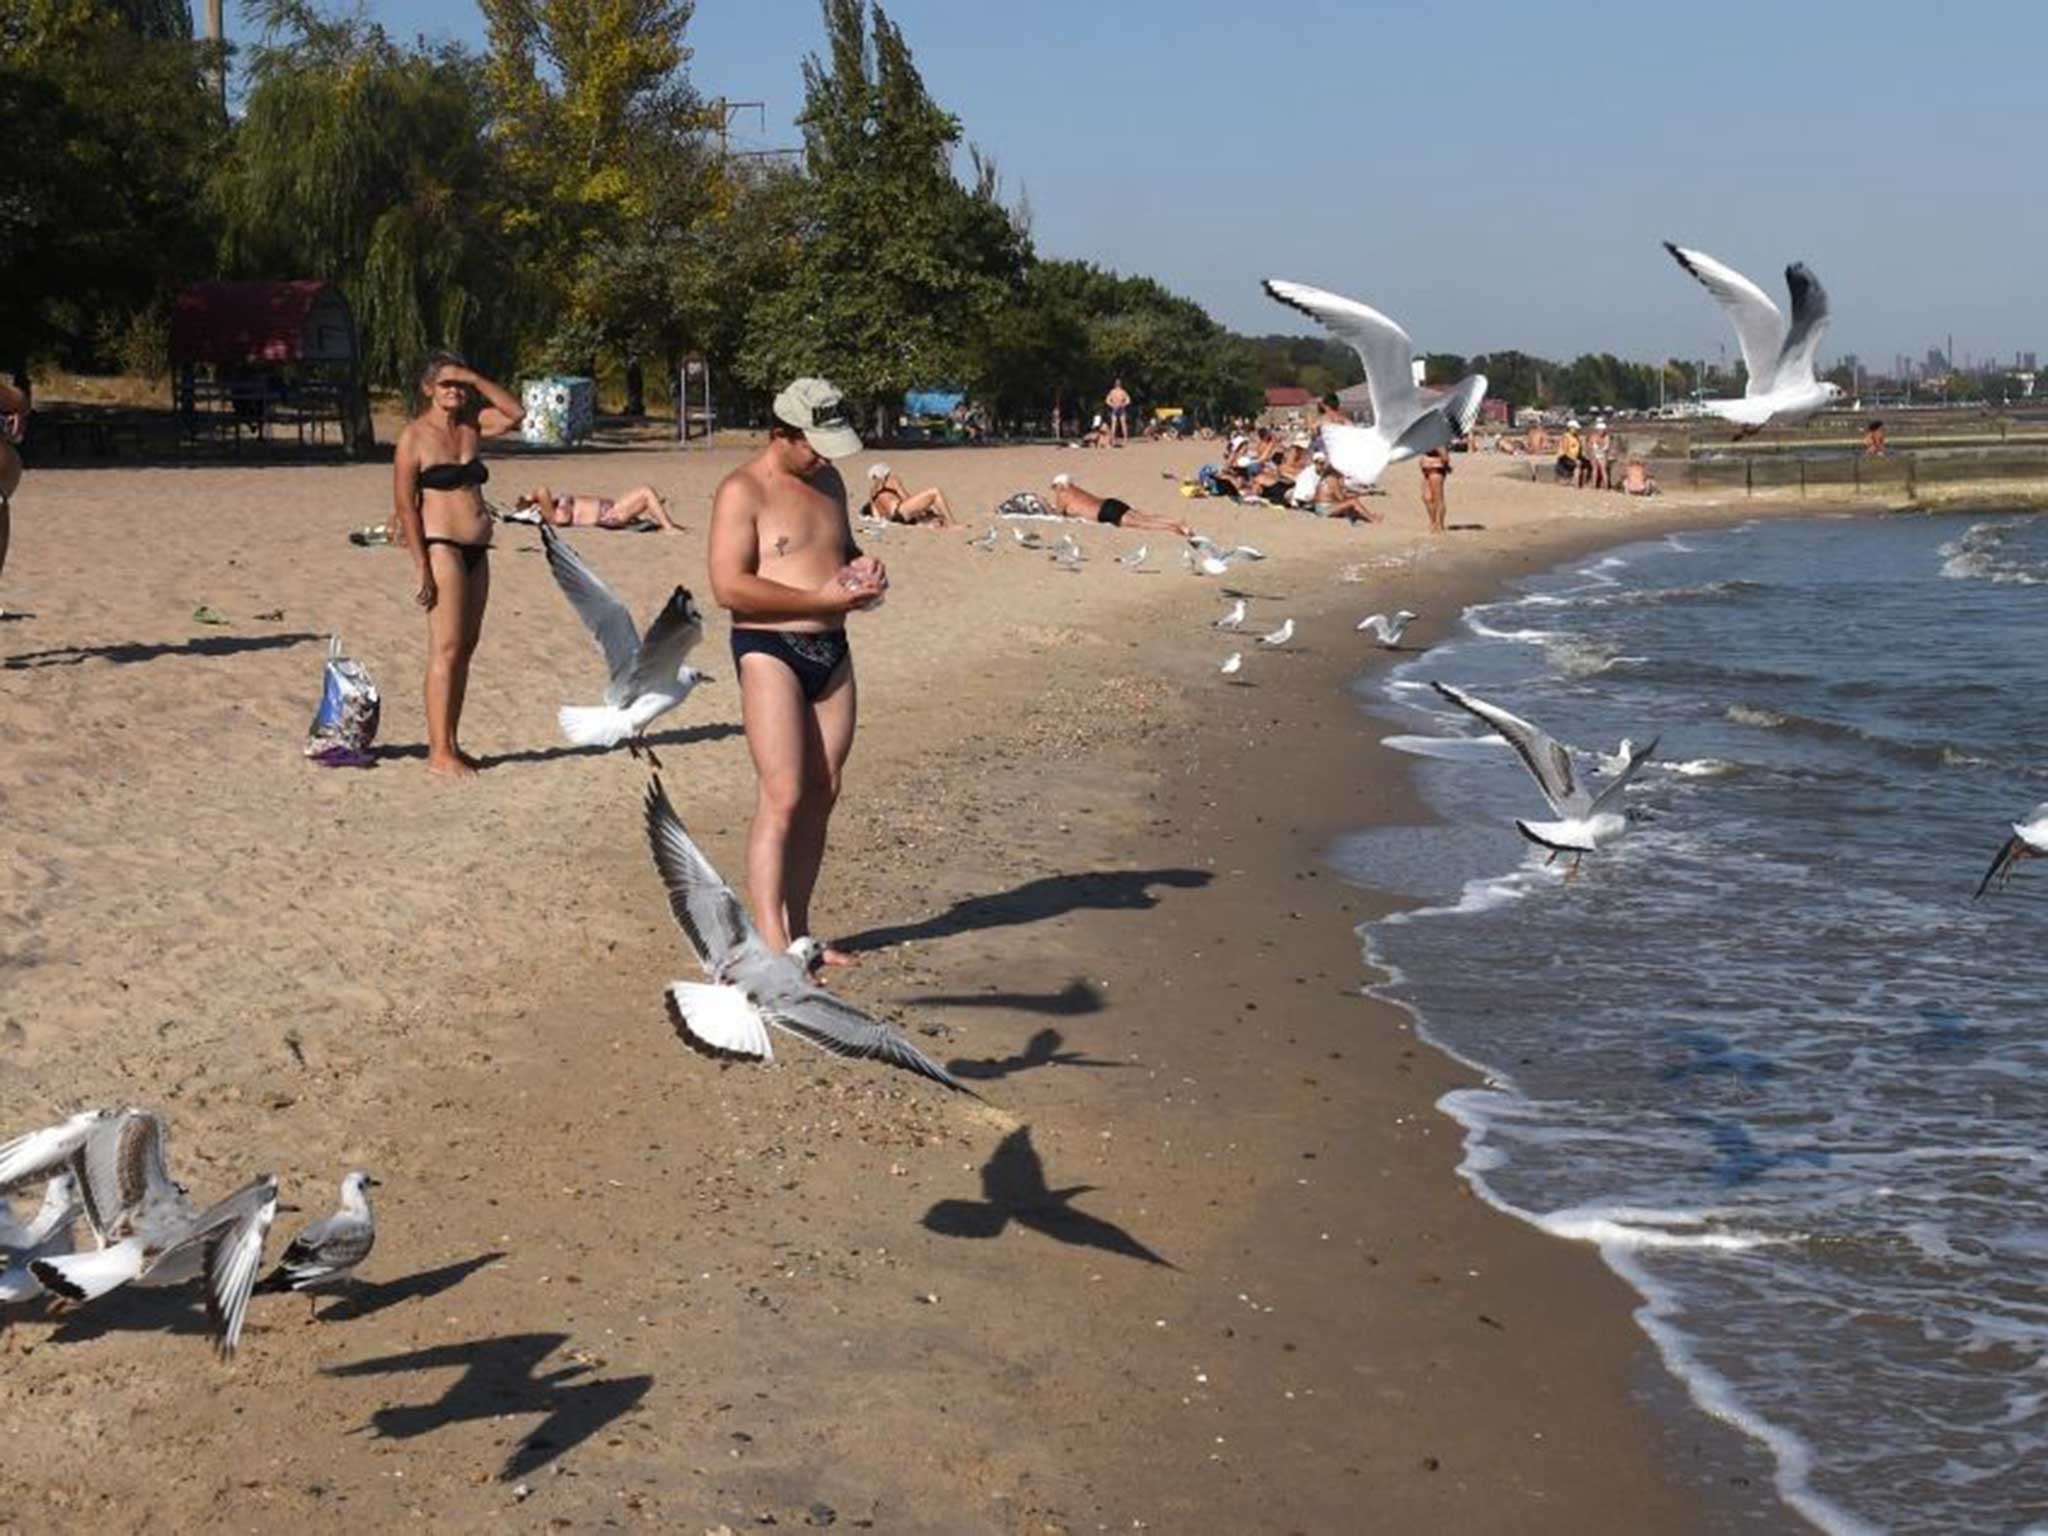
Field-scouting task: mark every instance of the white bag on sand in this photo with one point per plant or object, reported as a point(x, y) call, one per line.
point(346, 722)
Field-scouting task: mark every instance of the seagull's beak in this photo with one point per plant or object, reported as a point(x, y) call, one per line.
point(282, 1209)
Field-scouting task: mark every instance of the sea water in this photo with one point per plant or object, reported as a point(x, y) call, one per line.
point(1767, 1052)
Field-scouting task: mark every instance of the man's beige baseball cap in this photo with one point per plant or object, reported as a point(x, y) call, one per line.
point(817, 408)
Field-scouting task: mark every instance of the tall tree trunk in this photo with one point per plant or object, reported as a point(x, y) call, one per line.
point(636, 388)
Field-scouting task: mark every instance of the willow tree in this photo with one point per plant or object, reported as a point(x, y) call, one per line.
point(366, 163)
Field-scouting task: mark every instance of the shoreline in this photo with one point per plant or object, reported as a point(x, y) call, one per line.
point(716, 1293)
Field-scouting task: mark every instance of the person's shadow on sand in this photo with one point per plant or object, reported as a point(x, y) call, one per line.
point(682, 736)
point(1071, 1001)
point(125, 652)
point(501, 1377)
point(1043, 1050)
point(1109, 890)
point(1013, 1180)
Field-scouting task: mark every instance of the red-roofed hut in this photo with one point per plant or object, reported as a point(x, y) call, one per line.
point(249, 357)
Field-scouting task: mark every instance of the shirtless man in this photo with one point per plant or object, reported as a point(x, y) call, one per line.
point(1119, 402)
point(784, 564)
point(14, 406)
point(1069, 500)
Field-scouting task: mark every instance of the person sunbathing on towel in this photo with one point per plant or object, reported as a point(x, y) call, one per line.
point(640, 506)
point(1069, 500)
point(1330, 496)
point(891, 501)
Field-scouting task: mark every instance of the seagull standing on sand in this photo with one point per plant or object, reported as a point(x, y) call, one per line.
point(1388, 631)
point(648, 675)
point(986, 541)
point(1782, 387)
point(1135, 558)
point(1279, 636)
point(1027, 539)
point(2029, 840)
point(1585, 821)
point(1232, 664)
point(1234, 619)
point(152, 1233)
point(1405, 422)
point(328, 1251)
point(48, 1234)
point(753, 986)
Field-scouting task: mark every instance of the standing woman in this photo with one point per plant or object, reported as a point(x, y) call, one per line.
point(439, 514)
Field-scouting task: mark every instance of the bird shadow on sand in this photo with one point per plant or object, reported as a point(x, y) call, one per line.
point(123, 653)
point(689, 735)
point(14, 616)
point(364, 1299)
point(1014, 1190)
point(1071, 1001)
point(1042, 1050)
point(133, 1309)
point(1108, 890)
point(503, 1377)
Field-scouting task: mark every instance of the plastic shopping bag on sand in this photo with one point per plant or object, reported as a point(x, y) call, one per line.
point(346, 722)
point(1025, 504)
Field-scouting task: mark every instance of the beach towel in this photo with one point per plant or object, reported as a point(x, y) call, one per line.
point(346, 722)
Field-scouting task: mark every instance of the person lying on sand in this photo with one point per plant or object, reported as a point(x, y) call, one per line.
point(1069, 500)
point(640, 506)
point(891, 501)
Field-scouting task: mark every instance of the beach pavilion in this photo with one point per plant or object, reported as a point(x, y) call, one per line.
point(251, 359)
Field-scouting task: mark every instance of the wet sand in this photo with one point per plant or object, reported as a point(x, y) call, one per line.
point(619, 1285)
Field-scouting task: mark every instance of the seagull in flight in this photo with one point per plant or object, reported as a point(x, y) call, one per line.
point(1388, 631)
point(648, 674)
point(1780, 358)
point(1234, 619)
point(328, 1251)
point(150, 1232)
point(1586, 821)
point(1279, 636)
point(2029, 840)
point(752, 986)
point(1406, 422)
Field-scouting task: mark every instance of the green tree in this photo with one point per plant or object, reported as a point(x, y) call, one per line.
point(110, 131)
point(900, 270)
point(366, 163)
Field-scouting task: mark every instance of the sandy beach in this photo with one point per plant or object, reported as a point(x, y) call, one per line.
point(620, 1286)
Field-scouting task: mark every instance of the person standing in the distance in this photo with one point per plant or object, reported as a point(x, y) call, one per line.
point(1436, 469)
point(784, 564)
point(438, 513)
point(1119, 402)
point(14, 407)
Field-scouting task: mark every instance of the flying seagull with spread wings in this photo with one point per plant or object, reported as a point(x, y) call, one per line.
point(1586, 821)
point(1406, 421)
point(648, 677)
point(1780, 357)
point(751, 985)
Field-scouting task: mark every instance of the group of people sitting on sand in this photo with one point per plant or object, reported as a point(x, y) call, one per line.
point(1588, 460)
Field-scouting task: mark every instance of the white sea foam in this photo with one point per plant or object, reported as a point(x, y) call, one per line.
point(1703, 768)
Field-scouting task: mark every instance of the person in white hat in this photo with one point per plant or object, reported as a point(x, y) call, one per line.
point(892, 501)
point(784, 563)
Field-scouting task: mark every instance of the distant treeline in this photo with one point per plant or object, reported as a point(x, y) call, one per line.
point(561, 200)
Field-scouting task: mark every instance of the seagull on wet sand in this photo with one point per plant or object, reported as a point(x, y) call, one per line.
point(2029, 840)
point(1388, 631)
point(1779, 358)
point(328, 1251)
point(648, 675)
point(1279, 636)
point(1586, 821)
point(1234, 619)
point(1405, 421)
point(751, 985)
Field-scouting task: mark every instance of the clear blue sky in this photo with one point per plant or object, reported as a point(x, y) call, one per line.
point(1494, 175)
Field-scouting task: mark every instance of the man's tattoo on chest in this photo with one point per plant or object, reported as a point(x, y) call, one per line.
point(782, 544)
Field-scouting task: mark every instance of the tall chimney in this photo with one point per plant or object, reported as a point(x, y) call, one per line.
point(216, 34)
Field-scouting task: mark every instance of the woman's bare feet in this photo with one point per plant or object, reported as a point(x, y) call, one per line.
point(451, 767)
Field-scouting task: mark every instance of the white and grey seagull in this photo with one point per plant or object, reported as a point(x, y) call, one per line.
point(752, 986)
point(648, 675)
point(1406, 422)
point(1586, 821)
point(1388, 631)
point(2029, 840)
point(150, 1231)
point(1205, 557)
point(1135, 558)
point(47, 1234)
point(1234, 619)
point(328, 1251)
point(1779, 357)
point(1232, 664)
point(1279, 636)
point(985, 541)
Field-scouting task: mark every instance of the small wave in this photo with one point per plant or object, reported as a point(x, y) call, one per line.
point(1936, 753)
point(1705, 768)
point(1581, 658)
point(1486, 631)
point(1981, 554)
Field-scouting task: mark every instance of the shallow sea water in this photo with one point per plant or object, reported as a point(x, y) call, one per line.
point(1767, 1052)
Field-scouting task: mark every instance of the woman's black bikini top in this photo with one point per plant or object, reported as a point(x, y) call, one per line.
point(454, 475)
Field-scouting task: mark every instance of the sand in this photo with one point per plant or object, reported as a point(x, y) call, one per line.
point(620, 1286)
